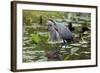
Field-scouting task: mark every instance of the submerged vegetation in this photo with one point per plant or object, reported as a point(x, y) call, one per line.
point(37, 47)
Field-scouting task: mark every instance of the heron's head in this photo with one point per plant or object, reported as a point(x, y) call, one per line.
point(51, 25)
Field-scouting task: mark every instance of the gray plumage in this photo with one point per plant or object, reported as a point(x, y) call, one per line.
point(54, 35)
point(59, 31)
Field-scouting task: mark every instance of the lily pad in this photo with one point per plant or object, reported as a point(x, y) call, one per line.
point(83, 42)
point(73, 50)
point(76, 45)
point(35, 38)
point(84, 46)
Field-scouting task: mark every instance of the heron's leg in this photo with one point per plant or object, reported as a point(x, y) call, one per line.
point(64, 44)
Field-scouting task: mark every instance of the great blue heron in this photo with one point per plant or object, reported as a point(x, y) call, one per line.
point(59, 31)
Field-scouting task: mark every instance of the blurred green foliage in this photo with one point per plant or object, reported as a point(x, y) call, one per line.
point(30, 17)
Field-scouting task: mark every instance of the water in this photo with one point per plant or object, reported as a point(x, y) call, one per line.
point(37, 48)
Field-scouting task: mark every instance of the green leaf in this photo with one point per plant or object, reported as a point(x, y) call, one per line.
point(35, 38)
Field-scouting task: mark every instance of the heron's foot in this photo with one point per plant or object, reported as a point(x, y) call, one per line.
point(64, 46)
